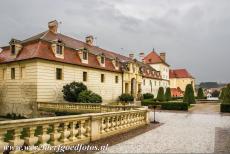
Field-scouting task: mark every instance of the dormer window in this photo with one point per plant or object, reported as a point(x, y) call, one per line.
point(85, 55)
point(102, 59)
point(59, 49)
point(13, 49)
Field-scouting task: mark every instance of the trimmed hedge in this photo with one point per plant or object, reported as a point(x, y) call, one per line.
point(147, 102)
point(225, 107)
point(174, 106)
point(148, 96)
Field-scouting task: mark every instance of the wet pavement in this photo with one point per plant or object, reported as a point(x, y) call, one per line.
point(186, 132)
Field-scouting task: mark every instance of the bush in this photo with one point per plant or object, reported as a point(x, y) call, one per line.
point(160, 94)
point(147, 102)
point(215, 93)
point(126, 98)
point(148, 96)
point(174, 106)
point(88, 96)
point(189, 94)
point(168, 94)
point(200, 94)
point(225, 107)
point(71, 91)
point(226, 94)
point(222, 93)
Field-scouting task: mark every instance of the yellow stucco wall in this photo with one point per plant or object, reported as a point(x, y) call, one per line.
point(50, 89)
point(18, 95)
point(181, 82)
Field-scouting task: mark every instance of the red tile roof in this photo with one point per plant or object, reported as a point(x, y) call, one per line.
point(176, 92)
point(179, 73)
point(153, 58)
point(39, 46)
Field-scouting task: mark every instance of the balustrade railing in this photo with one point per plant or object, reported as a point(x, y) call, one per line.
point(83, 107)
point(68, 130)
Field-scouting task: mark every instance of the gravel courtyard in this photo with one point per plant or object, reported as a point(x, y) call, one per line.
point(181, 133)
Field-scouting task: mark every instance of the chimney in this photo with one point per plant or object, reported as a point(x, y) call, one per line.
point(53, 26)
point(89, 40)
point(142, 55)
point(131, 55)
point(162, 55)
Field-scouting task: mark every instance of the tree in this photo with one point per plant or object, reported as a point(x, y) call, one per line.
point(126, 98)
point(88, 96)
point(189, 94)
point(160, 94)
point(71, 91)
point(148, 96)
point(222, 93)
point(226, 98)
point(215, 93)
point(168, 94)
point(200, 94)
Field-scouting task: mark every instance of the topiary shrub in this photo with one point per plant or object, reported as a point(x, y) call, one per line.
point(200, 94)
point(71, 91)
point(168, 94)
point(189, 94)
point(174, 106)
point(160, 94)
point(148, 96)
point(226, 94)
point(126, 98)
point(88, 96)
point(225, 107)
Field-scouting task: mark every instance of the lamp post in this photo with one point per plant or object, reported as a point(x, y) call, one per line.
point(154, 111)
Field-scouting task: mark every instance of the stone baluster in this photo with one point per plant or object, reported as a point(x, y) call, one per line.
point(65, 133)
point(31, 139)
point(44, 137)
point(113, 123)
point(103, 125)
point(73, 131)
point(81, 129)
point(16, 142)
point(107, 124)
point(55, 135)
point(3, 145)
point(87, 127)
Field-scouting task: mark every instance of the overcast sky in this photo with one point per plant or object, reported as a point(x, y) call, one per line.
point(195, 34)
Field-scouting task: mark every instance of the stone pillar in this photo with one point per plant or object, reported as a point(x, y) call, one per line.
point(96, 122)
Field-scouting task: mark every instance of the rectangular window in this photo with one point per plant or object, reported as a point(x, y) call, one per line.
point(84, 76)
point(102, 78)
point(116, 79)
point(23, 73)
point(85, 57)
point(144, 82)
point(58, 73)
point(59, 49)
point(12, 73)
point(102, 60)
point(13, 49)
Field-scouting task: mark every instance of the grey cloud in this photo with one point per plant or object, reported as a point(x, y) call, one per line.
point(195, 34)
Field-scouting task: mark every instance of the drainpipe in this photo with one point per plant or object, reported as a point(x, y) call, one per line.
point(122, 84)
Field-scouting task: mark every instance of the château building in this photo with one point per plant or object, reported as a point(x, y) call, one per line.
point(36, 69)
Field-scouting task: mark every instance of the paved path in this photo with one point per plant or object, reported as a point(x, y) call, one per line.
point(207, 108)
point(181, 133)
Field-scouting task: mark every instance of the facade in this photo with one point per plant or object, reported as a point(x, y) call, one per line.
point(35, 70)
point(179, 78)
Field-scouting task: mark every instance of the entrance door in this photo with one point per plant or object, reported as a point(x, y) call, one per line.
point(133, 87)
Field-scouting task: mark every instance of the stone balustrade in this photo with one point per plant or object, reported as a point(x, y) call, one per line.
point(69, 130)
point(82, 107)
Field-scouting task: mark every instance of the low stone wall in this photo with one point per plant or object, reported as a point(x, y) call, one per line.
point(70, 130)
point(82, 107)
